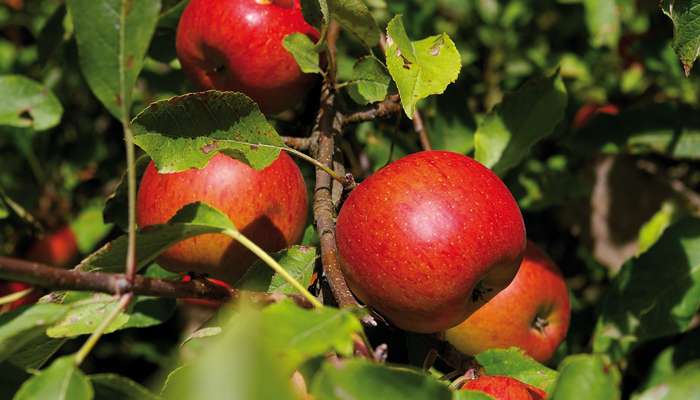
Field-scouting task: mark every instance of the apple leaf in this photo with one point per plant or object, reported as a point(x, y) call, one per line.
point(503, 139)
point(421, 68)
point(685, 15)
point(117, 387)
point(4, 212)
point(586, 376)
point(652, 230)
point(354, 16)
point(378, 382)
point(299, 261)
point(370, 81)
point(683, 384)
point(304, 52)
point(672, 359)
point(603, 22)
point(316, 12)
point(655, 295)
point(113, 36)
point(22, 326)
point(61, 380)
point(28, 104)
point(515, 363)
point(89, 228)
point(187, 131)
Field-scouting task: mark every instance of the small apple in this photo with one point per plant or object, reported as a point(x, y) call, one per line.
point(8, 287)
point(58, 249)
point(590, 110)
point(504, 388)
point(237, 45)
point(268, 206)
point(531, 313)
point(419, 238)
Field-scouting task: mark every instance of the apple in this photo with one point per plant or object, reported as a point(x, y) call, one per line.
point(8, 287)
point(419, 238)
point(59, 248)
point(237, 45)
point(504, 388)
point(268, 206)
point(531, 313)
point(590, 110)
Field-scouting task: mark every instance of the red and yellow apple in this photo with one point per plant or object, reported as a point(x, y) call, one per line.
point(269, 206)
point(58, 249)
point(237, 45)
point(504, 388)
point(531, 313)
point(420, 237)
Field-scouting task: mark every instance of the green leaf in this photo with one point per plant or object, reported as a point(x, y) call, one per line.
point(585, 376)
point(4, 212)
point(113, 36)
point(420, 68)
point(370, 81)
point(354, 16)
point(89, 228)
point(299, 261)
point(187, 131)
point(28, 104)
point(684, 384)
point(503, 139)
point(37, 352)
point(22, 326)
point(655, 295)
point(672, 359)
point(116, 209)
point(685, 15)
point(451, 125)
point(514, 363)
point(62, 380)
point(652, 230)
point(304, 52)
point(603, 22)
point(363, 380)
point(116, 387)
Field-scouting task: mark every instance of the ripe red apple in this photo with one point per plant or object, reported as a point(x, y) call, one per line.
point(590, 110)
point(419, 237)
point(7, 288)
point(59, 248)
point(505, 388)
point(532, 313)
point(268, 206)
point(237, 45)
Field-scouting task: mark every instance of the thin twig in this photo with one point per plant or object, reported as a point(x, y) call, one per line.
point(384, 109)
point(298, 143)
point(100, 330)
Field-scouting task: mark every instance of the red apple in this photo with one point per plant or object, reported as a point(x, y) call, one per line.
point(590, 110)
point(419, 237)
point(505, 388)
point(237, 45)
point(7, 288)
point(531, 313)
point(268, 206)
point(59, 248)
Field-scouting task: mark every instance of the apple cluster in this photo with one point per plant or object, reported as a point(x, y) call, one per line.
point(434, 242)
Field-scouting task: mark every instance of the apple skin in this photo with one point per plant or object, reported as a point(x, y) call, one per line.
point(509, 317)
point(505, 388)
point(268, 206)
point(419, 235)
point(58, 249)
point(237, 45)
point(590, 110)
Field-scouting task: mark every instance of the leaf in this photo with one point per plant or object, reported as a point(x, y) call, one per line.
point(62, 380)
point(22, 326)
point(585, 376)
point(203, 333)
point(684, 384)
point(654, 295)
point(304, 52)
point(316, 12)
point(451, 127)
point(377, 382)
point(116, 209)
point(299, 261)
point(603, 22)
point(685, 15)
point(4, 212)
point(370, 81)
point(514, 363)
point(187, 131)
point(420, 68)
point(354, 16)
point(28, 104)
point(505, 136)
point(89, 228)
point(116, 387)
point(652, 230)
point(113, 36)
point(672, 359)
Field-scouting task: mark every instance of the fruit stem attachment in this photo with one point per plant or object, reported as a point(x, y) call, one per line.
point(347, 182)
point(250, 245)
point(12, 297)
point(100, 330)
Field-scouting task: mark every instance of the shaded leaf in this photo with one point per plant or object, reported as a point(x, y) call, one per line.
point(299, 261)
point(28, 104)
point(603, 22)
point(20, 327)
point(116, 208)
point(354, 16)
point(685, 15)
point(370, 81)
point(62, 380)
point(304, 52)
point(116, 387)
point(585, 376)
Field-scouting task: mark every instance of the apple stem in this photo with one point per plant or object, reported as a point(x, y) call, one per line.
point(345, 181)
point(11, 298)
point(250, 245)
point(90, 343)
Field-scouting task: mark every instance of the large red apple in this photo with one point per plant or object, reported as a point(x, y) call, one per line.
point(59, 248)
point(505, 388)
point(268, 206)
point(532, 313)
point(237, 45)
point(419, 238)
